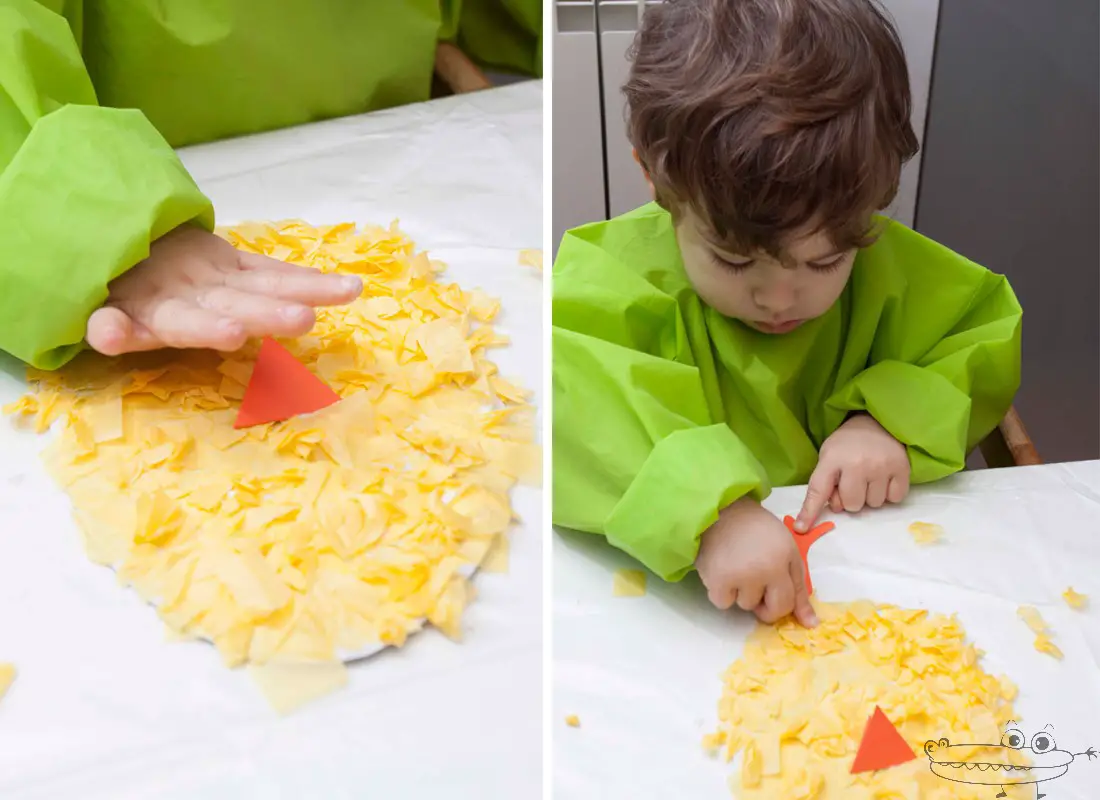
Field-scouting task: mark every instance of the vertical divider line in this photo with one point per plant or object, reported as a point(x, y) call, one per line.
point(603, 109)
point(546, 707)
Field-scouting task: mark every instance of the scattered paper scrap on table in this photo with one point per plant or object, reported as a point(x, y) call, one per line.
point(289, 686)
point(281, 387)
point(1044, 644)
point(628, 583)
point(926, 532)
point(882, 746)
point(573, 721)
point(326, 534)
point(1034, 620)
point(531, 258)
point(7, 678)
point(1075, 600)
point(795, 706)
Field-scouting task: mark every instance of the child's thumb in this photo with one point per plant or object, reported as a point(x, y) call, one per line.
point(803, 608)
point(109, 330)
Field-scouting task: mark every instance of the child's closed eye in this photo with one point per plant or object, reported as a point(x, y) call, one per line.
point(832, 265)
point(732, 265)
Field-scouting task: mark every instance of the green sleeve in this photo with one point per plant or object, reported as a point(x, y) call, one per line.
point(637, 455)
point(84, 190)
point(499, 34)
point(946, 362)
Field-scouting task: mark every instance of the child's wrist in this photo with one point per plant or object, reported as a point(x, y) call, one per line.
point(731, 518)
point(746, 505)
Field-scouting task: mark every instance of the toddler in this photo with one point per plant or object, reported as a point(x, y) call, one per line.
point(760, 324)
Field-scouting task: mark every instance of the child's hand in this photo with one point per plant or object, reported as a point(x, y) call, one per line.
point(197, 290)
point(748, 557)
point(859, 465)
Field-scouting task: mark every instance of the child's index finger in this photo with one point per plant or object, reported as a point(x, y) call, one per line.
point(821, 487)
point(811, 509)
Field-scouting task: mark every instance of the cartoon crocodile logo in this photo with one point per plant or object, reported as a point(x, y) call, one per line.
point(1047, 761)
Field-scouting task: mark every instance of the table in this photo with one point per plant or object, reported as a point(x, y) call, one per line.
point(643, 673)
point(105, 709)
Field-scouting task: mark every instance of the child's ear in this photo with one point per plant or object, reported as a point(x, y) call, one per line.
point(645, 172)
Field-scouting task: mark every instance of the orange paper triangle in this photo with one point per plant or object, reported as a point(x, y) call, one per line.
point(882, 746)
point(803, 542)
point(281, 387)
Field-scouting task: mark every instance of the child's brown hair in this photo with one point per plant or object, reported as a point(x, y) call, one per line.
point(769, 117)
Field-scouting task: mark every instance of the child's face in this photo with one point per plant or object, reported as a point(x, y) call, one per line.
point(771, 296)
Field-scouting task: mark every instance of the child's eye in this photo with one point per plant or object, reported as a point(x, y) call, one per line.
point(732, 266)
point(827, 266)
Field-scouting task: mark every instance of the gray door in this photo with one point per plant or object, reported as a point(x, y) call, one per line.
point(1010, 179)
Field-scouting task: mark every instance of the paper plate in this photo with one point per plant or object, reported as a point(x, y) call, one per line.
point(347, 656)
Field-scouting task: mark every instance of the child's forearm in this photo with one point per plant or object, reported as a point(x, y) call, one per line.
point(942, 406)
point(632, 462)
point(639, 456)
point(84, 190)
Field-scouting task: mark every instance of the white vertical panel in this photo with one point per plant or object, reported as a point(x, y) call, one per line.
point(577, 170)
point(916, 22)
point(626, 186)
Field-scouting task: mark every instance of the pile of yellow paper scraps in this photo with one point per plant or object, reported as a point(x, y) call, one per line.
point(296, 542)
point(796, 705)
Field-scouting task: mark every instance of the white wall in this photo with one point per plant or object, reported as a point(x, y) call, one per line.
point(578, 182)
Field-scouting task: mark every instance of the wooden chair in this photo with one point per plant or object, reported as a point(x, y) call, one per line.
point(1009, 445)
point(456, 73)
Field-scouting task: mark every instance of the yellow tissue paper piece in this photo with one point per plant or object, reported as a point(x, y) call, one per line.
point(1075, 599)
point(173, 635)
point(795, 705)
point(1044, 645)
point(496, 559)
point(573, 721)
point(712, 742)
point(289, 686)
point(628, 583)
point(752, 770)
point(926, 532)
point(326, 534)
point(531, 258)
point(7, 678)
point(1033, 619)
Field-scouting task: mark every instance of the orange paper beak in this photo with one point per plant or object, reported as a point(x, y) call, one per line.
point(803, 542)
point(281, 387)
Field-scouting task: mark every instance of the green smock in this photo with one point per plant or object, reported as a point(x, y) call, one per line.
point(502, 34)
point(94, 94)
point(665, 411)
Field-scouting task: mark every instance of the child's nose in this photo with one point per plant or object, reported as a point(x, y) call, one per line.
point(775, 299)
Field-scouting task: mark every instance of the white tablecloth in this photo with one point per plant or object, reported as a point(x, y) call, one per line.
point(643, 673)
point(104, 709)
